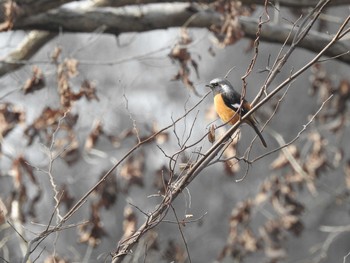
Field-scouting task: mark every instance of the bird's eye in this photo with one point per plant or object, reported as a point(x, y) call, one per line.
point(216, 84)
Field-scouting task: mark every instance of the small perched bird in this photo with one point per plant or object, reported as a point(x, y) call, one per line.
point(227, 102)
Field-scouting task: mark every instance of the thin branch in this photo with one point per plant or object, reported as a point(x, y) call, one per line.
point(117, 21)
point(33, 42)
point(150, 223)
point(183, 181)
point(182, 234)
point(13, 227)
point(305, 126)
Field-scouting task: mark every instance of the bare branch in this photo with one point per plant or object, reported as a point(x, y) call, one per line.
point(28, 47)
point(145, 18)
point(30, 7)
point(178, 186)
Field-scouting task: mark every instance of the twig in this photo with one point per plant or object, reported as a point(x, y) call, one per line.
point(181, 232)
point(305, 126)
point(298, 37)
point(13, 227)
point(176, 188)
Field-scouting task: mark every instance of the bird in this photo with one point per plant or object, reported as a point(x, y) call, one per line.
point(230, 106)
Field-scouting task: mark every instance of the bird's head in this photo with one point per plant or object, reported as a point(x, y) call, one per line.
point(220, 86)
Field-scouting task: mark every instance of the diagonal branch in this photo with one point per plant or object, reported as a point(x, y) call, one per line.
point(34, 41)
point(152, 17)
point(172, 193)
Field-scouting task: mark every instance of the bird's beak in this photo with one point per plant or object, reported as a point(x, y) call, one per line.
point(209, 86)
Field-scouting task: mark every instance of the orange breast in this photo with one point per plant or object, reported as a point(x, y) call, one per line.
point(225, 113)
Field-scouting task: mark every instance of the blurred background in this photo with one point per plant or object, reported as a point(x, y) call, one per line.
point(83, 100)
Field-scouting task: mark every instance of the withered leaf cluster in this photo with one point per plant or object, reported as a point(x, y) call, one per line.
point(242, 240)
point(129, 222)
point(55, 259)
point(105, 196)
point(92, 232)
point(174, 252)
point(116, 139)
point(35, 82)
point(304, 170)
point(65, 72)
point(10, 12)
point(107, 192)
point(65, 197)
point(161, 179)
point(20, 202)
point(10, 116)
point(183, 57)
point(47, 123)
point(279, 194)
point(231, 164)
point(336, 112)
point(132, 170)
point(298, 170)
point(3, 212)
point(229, 32)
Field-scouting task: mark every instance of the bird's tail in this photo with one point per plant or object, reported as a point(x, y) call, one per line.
point(256, 129)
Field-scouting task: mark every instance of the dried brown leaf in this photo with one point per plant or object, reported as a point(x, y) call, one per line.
point(292, 224)
point(211, 134)
point(315, 164)
point(182, 56)
point(231, 165)
point(19, 169)
point(92, 232)
point(3, 212)
point(10, 117)
point(66, 198)
point(129, 223)
point(35, 82)
point(10, 10)
point(55, 259)
point(241, 213)
point(344, 89)
point(248, 241)
point(88, 89)
point(272, 233)
point(229, 32)
point(71, 66)
point(162, 137)
point(262, 195)
point(282, 160)
point(185, 36)
point(68, 146)
point(107, 191)
point(174, 253)
point(347, 173)
point(47, 123)
point(133, 169)
point(94, 135)
point(161, 180)
point(55, 54)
